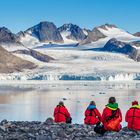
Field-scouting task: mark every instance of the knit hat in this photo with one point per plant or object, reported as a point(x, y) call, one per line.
point(61, 103)
point(135, 103)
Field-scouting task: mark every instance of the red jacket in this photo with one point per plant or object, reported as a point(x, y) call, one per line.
point(107, 112)
point(92, 116)
point(60, 114)
point(133, 118)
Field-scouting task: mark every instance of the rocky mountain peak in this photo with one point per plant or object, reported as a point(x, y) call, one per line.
point(93, 36)
point(46, 32)
point(113, 45)
point(68, 27)
point(137, 34)
point(105, 26)
point(75, 32)
point(116, 42)
point(5, 29)
point(6, 36)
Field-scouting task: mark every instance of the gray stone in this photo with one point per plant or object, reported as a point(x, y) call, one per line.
point(61, 131)
point(49, 121)
point(91, 133)
point(2, 128)
point(4, 122)
point(42, 137)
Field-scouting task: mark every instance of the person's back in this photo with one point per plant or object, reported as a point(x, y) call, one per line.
point(133, 116)
point(61, 113)
point(92, 115)
point(111, 113)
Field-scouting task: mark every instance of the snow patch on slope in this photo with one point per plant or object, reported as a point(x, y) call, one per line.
point(12, 46)
point(117, 33)
point(30, 58)
point(64, 35)
point(29, 40)
point(85, 32)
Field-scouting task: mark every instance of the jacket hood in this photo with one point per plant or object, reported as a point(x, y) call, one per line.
point(136, 106)
point(91, 107)
point(112, 106)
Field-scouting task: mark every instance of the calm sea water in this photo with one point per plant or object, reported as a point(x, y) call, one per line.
point(37, 100)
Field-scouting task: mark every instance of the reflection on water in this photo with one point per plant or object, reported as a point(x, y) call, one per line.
point(37, 101)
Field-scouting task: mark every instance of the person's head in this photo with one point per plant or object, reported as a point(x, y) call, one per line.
point(135, 103)
point(92, 103)
point(112, 100)
point(61, 103)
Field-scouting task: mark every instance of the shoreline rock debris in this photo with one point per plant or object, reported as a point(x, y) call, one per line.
point(48, 130)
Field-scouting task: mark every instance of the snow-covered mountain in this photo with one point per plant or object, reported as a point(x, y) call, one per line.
point(72, 33)
point(6, 36)
point(109, 31)
point(47, 33)
point(112, 31)
point(9, 40)
point(44, 32)
point(71, 53)
point(113, 45)
point(93, 36)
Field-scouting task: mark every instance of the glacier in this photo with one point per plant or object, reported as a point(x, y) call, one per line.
point(55, 77)
point(78, 64)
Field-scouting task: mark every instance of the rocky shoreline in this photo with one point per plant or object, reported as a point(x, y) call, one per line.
point(49, 130)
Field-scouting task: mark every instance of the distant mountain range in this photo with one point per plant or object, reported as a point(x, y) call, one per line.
point(47, 32)
point(106, 38)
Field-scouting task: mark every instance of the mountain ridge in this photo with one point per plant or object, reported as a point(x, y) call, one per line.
point(74, 32)
point(46, 32)
point(10, 63)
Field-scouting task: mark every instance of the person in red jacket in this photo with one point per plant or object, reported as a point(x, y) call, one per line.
point(61, 113)
point(132, 116)
point(92, 115)
point(111, 113)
